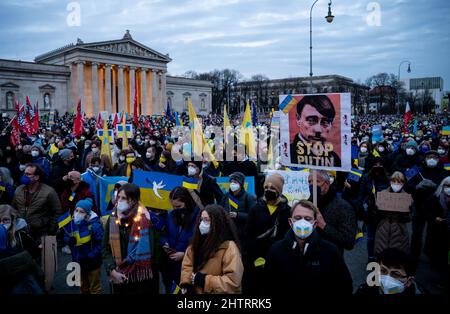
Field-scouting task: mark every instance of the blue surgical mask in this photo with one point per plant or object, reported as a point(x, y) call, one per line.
point(25, 180)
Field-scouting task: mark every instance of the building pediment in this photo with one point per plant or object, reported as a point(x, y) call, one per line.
point(46, 87)
point(9, 85)
point(126, 46)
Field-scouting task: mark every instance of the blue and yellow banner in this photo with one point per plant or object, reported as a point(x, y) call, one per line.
point(106, 188)
point(287, 103)
point(64, 219)
point(233, 202)
point(355, 175)
point(128, 127)
point(190, 183)
point(447, 166)
point(446, 130)
point(156, 187)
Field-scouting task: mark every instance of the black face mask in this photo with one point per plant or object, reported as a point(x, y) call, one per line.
point(69, 183)
point(319, 191)
point(270, 195)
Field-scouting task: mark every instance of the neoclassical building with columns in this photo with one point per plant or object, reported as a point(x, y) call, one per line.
point(104, 76)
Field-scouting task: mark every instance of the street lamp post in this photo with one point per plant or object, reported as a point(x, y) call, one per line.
point(329, 19)
point(398, 95)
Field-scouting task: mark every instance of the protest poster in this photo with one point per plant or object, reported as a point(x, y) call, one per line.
point(110, 135)
point(377, 134)
point(394, 202)
point(296, 186)
point(129, 130)
point(316, 131)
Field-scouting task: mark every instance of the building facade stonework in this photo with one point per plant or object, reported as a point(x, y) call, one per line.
point(105, 76)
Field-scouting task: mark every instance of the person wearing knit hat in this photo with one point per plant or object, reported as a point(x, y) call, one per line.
point(86, 248)
point(411, 147)
point(238, 177)
point(194, 168)
point(65, 154)
point(84, 206)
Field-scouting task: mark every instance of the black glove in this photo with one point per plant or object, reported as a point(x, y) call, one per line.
point(199, 279)
point(72, 241)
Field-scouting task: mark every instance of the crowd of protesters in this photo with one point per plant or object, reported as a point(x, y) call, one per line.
point(206, 244)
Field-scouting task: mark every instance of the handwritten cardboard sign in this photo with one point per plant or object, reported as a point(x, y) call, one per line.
point(394, 202)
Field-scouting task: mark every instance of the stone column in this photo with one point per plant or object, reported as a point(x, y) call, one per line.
point(101, 90)
point(108, 87)
point(132, 87)
point(163, 90)
point(80, 84)
point(121, 90)
point(94, 88)
point(155, 92)
point(144, 91)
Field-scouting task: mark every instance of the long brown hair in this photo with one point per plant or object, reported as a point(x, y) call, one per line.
point(12, 212)
point(221, 229)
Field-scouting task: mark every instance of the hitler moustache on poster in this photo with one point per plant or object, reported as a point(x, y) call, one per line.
point(316, 131)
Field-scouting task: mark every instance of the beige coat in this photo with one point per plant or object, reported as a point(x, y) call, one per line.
point(223, 271)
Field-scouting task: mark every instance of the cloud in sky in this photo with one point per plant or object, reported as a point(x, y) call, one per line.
point(252, 36)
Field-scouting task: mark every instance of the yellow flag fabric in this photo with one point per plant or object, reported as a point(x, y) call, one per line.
point(247, 137)
point(124, 136)
point(199, 144)
point(106, 149)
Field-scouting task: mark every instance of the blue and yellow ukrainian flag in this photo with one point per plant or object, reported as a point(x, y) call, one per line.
point(447, 166)
point(359, 236)
point(287, 103)
point(355, 175)
point(64, 219)
point(155, 187)
point(178, 120)
point(106, 185)
point(190, 183)
point(446, 130)
point(247, 137)
point(233, 202)
point(174, 289)
point(82, 237)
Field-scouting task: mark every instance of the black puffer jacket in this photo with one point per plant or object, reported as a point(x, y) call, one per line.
point(320, 268)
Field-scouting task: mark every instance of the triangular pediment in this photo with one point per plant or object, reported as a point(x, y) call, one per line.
point(9, 85)
point(126, 47)
point(47, 87)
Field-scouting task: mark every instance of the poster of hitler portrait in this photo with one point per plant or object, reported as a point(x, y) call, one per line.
point(316, 131)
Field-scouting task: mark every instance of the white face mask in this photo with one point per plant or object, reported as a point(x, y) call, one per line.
point(22, 167)
point(122, 206)
point(381, 149)
point(152, 142)
point(34, 153)
point(7, 226)
point(95, 150)
point(204, 228)
point(447, 191)
point(302, 228)
point(86, 146)
point(96, 169)
point(234, 186)
point(363, 150)
point(396, 187)
point(192, 171)
point(148, 155)
point(391, 285)
point(78, 217)
point(441, 151)
point(410, 151)
point(432, 162)
point(122, 158)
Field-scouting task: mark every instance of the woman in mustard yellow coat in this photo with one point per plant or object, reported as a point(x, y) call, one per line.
point(212, 263)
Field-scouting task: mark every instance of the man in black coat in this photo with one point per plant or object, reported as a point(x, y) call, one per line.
point(336, 221)
point(208, 190)
point(267, 223)
point(303, 262)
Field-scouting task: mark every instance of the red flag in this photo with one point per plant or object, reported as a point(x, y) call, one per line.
point(36, 118)
point(115, 121)
point(14, 138)
point(99, 121)
point(147, 123)
point(408, 116)
point(121, 118)
point(135, 115)
point(28, 124)
point(78, 124)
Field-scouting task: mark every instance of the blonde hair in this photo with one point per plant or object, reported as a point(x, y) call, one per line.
point(12, 212)
point(397, 175)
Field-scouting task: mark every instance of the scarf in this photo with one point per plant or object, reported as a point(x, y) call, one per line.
point(137, 264)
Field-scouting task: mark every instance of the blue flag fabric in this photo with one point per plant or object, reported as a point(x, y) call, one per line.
point(106, 188)
point(92, 179)
point(412, 172)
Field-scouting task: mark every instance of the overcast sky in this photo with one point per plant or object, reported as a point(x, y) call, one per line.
point(268, 37)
